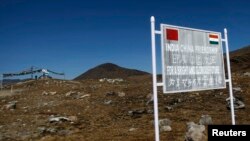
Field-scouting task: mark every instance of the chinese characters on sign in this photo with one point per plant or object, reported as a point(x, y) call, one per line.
point(192, 60)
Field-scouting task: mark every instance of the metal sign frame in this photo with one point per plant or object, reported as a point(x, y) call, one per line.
point(163, 54)
point(154, 73)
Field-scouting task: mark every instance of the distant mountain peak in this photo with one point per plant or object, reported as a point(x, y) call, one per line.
point(108, 66)
point(109, 70)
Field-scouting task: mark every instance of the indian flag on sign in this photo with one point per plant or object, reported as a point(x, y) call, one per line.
point(214, 39)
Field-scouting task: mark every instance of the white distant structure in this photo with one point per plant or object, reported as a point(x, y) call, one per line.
point(44, 73)
point(31, 71)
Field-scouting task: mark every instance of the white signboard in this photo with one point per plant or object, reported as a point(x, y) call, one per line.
point(192, 59)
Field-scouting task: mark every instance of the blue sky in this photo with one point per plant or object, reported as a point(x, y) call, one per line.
point(75, 35)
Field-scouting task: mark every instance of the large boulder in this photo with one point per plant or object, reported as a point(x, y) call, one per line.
point(195, 132)
point(206, 120)
point(10, 106)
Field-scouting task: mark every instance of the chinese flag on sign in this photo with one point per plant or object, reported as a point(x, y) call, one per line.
point(172, 34)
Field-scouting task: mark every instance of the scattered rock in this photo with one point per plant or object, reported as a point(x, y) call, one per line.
point(175, 101)
point(57, 119)
point(237, 89)
point(70, 93)
point(86, 95)
point(136, 113)
point(165, 122)
point(110, 94)
point(45, 93)
point(52, 93)
point(121, 94)
point(195, 132)
point(51, 130)
point(64, 132)
point(206, 120)
point(73, 118)
point(179, 100)
point(41, 130)
point(132, 129)
point(112, 81)
point(48, 93)
point(169, 108)
point(101, 80)
point(150, 111)
point(165, 128)
point(150, 98)
point(25, 107)
point(10, 106)
point(107, 102)
point(130, 113)
point(164, 125)
point(237, 103)
point(246, 74)
point(73, 94)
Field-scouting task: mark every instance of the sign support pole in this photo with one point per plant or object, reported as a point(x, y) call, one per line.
point(229, 78)
point(156, 117)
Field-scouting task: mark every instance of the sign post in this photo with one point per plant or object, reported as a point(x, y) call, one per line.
point(229, 77)
point(156, 117)
point(192, 60)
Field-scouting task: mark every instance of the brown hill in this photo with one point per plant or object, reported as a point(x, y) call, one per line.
point(109, 70)
point(240, 59)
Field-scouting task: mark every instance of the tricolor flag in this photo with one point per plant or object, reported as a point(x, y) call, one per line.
point(214, 39)
point(172, 34)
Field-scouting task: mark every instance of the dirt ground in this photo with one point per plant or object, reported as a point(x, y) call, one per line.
point(103, 111)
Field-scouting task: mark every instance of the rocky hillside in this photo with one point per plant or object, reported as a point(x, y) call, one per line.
point(109, 70)
point(240, 59)
point(90, 110)
point(94, 110)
